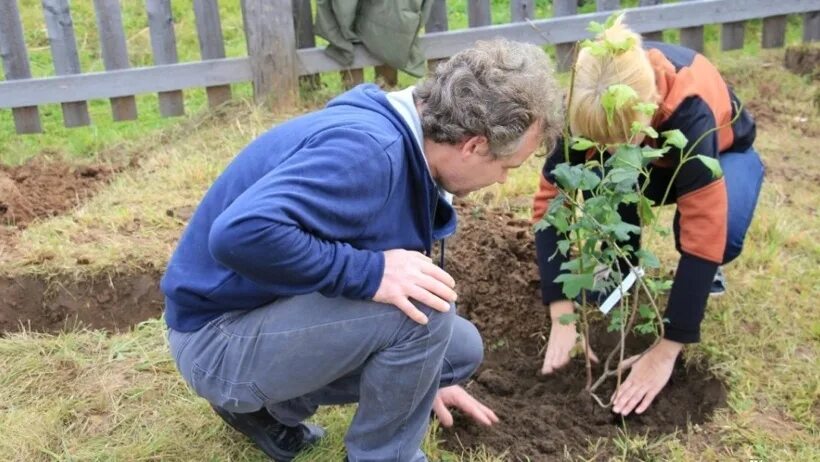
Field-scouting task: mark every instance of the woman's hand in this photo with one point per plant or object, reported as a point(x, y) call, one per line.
point(563, 339)
point(649, 375)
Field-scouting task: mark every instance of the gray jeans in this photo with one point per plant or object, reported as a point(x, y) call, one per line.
point(306, 351)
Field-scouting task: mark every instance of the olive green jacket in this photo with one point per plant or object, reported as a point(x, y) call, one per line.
point(387, 28)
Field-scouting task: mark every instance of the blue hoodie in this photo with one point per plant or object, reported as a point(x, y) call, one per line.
point(307, 207)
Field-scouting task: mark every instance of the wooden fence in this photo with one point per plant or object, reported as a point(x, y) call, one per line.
point(281, 48)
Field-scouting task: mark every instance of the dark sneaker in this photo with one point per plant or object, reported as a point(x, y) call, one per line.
point(718, 284)
point(277, 440)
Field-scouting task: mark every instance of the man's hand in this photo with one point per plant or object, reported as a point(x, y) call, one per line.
point(455, 396)
point(563, 339)
point(409, 275)
point(649, 375)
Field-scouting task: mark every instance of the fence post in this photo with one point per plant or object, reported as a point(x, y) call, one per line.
point(64, 54)
point(211, 45)
point(436, 22)
point(655, 36)
point(607, 5)
point(811, 26)
point(305, 38)
point(564, 52)
point(732, 35)
point(114, 52)
point(521, 10)
point(272, 51)
point(15, 63)
point(774, 31)
point(692, 37)
point(164, 48)
point(478, 13)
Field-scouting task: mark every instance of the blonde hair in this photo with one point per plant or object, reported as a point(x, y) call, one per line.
point(595, 74)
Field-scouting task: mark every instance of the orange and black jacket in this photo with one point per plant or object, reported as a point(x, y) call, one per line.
point(695, 100)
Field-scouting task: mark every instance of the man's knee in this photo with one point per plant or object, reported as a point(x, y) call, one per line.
point(440, 325)
point(465, 353)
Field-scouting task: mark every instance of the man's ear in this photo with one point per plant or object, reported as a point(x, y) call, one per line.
point(474, 145)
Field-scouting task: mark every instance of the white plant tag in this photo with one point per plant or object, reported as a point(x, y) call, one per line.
point(619, 291)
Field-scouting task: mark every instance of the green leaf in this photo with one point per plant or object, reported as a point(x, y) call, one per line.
point(646, 108)
point(614, 98)
point(621, 174)
point(627, 156)
point(658, 286)
point(645, 210)
point(630, 198)
point(712, 164)
point(610, 21)
point(646, 328)
point(622, 230)
point(646, 311)
point(574, 283)
point(675, 138)
point(575, 177)
point(582, 144)
point(615, 321)
point(622, 46)
point(596, 27)
point(574, 265)
point(595, 48)
point(650, 132)
point(568, 318)
point(563, 246)
point(649, 153)
point(635, 128)
point(648, 259)
point(541, 225)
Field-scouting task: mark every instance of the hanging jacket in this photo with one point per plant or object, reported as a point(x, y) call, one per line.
point(388, 29)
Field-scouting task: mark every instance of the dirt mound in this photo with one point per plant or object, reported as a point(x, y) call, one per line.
point(804, 60)
point(112, 302)
point(42, 188)
point(493, 262)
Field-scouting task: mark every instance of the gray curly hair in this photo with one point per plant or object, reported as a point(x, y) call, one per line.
point(497, 89)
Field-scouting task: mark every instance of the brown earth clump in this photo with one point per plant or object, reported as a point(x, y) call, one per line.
point(41, 188)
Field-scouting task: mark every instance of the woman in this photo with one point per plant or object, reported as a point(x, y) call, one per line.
point(712, 214)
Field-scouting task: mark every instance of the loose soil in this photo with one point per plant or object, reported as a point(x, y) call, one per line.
point(493, 261)
point(113, 302)
point(804, 60)
point(492, 258)
point(41, 188)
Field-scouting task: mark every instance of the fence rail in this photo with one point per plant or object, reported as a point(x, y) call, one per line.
point(281, 48)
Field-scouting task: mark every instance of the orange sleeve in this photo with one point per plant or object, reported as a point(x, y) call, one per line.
point(703, 221)
point(546, 192)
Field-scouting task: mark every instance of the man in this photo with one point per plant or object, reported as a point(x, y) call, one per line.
point(303, 277)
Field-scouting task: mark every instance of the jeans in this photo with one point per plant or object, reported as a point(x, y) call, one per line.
point(302, 352)
point(743, 173)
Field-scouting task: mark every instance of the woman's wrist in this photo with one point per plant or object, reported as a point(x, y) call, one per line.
point(559, 308)
point(669, 349)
